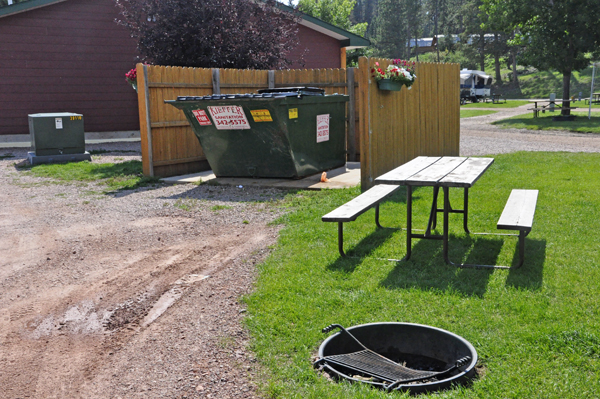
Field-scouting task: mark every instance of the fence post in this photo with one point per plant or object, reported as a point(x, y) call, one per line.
point(364, 87)
point(351, 115)
point(216, 81)
point(145, 124)
point(271, 79)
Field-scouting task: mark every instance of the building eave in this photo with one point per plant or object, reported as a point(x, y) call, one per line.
point(347, 39)
point(26, 6)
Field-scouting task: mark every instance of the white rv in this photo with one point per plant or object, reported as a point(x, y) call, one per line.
point(474, 85)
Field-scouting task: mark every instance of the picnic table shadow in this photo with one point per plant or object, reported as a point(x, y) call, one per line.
point(426, 269)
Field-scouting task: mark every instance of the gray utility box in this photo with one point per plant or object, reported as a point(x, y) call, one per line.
point(57, 133)
point(57, 137)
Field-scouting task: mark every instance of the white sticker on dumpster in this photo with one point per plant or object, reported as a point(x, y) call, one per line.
point(322, 128)
point(229, 117)
point(201, 117)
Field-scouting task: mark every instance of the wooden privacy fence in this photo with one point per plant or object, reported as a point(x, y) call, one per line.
point(391, 127)
point(169, 146)
point(398, 126)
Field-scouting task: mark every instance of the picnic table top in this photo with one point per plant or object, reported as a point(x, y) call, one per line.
point(438, 171)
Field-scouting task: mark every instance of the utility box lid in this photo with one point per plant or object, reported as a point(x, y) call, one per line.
point(54, 115)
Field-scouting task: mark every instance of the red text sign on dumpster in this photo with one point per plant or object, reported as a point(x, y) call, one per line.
point(322, 128)
point(229, 117)
point(201, 116)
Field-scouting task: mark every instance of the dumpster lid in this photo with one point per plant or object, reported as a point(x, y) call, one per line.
point(263, 93)
point(302, 90)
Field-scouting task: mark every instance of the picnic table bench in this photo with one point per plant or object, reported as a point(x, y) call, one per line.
point(518, 215)
point(357, 206)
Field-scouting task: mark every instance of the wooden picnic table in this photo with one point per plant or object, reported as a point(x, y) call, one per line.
point(595, 98)
point(496, 98)
point(436, 172)
point(550, 106)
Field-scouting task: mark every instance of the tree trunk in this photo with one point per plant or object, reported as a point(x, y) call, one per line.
point(514, 66)
point(435, 33)
point(566, 95)
point(482, 51)
point(497, 59)
point(416, 47)
point(409, 48)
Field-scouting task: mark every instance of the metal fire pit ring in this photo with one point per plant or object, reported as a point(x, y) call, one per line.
point(415, 344)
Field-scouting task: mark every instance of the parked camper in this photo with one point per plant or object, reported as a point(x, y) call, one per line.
point(474, 85)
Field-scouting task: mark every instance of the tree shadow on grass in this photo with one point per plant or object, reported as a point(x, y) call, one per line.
point(530, 276)
point(426, 269)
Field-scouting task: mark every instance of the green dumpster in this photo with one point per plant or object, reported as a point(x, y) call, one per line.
point(277, 133)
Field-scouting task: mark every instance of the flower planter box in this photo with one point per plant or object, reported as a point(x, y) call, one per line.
point(388, 84)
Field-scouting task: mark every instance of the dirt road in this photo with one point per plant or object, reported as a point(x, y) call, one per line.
point(479, 137)
point(127, 295)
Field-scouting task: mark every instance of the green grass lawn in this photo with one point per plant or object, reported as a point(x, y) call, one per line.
point(536, 329)
point(581, 124)
point(468, 113)
point(116, 176)
point(507, 104)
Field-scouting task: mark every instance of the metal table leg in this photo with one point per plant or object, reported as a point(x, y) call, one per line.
point(408, 222)
point(445, 225)
point(434, 210)
point(466, 211)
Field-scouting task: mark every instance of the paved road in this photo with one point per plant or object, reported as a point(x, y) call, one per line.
point(479, 137)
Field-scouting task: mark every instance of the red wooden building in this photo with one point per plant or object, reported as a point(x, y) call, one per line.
point(71, 56)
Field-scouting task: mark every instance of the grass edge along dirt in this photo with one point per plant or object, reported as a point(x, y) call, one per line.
point(116, 176)
point(469, 113)
point(544, 121)
point(535, 329)
point(506, 104)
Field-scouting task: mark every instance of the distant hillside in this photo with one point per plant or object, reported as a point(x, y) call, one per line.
point(536, 84)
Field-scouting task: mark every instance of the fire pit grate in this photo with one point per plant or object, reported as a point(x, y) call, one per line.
point(349, 358)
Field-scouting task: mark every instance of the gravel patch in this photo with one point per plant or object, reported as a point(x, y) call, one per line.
point(128, 294)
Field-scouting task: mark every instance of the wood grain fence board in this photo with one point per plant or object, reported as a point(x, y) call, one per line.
point(399, 126)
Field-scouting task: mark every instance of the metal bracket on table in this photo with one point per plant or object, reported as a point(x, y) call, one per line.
point(435, 210)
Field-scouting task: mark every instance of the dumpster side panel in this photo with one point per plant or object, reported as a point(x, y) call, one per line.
point(312, 153)
point(262, 150)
